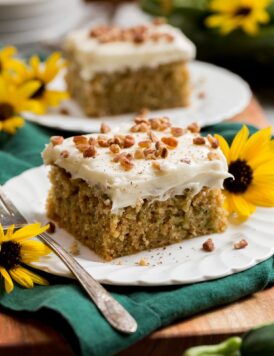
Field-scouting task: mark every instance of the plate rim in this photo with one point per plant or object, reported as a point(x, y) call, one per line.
point(236, 109)
point(139, 281)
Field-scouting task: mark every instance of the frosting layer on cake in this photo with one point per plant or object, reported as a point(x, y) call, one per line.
point(159, 170)
point(111, 49)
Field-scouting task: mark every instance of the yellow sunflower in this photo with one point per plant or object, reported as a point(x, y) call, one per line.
point(17, 250)
point(45, 73)
point(238, 14)
point(251, 162)
point(14, 100)
point(7, 60)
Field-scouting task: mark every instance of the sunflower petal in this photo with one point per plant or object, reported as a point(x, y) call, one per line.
point(256, 143)
point(30, 87)
point(19, 275)
point(29, 231)
point(224, 146)
point(241, 206)
point(35, 277)
point(8, 281)
point(260, 195)
point(239, 143)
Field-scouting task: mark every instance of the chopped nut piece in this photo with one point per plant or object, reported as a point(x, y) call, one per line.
point(163, 152)
point(82, 147)
point(150, 153)
point(139, 154)
point(126, 163)
point(64, 154)
point(152, 137)
point(92, 141)
point(156, 165)
point(129, 141)
point(56, 140)
point(143, 127)
point(141, 119)
point(194, 127)
point(89, 152)
point(199, 140)
point(64, 111)
point(143, 262)
point(240, 244)
point(80, 140)
point(208, 245)
point(177, 131)
point(103, 142)
point(114, 148)
point(185, 160)
point(213, 141)
point(52, 228)
point(119, 140)
point(74, 248)
point(163, 126)
point(155, 124)
point(170, 141)
point(212, 156)
point(144, 144)
point(104, 128)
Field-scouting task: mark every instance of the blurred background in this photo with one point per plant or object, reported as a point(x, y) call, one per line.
point(40, 25)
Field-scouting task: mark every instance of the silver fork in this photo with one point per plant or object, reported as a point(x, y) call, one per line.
point(113, 311)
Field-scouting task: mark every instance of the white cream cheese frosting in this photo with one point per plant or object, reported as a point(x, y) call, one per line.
point(93, 56)
point(187, 166)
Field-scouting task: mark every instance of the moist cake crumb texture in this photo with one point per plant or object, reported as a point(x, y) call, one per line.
point(115, 70)
point(144, 186)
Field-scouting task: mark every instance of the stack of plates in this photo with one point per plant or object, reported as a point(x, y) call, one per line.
point(31, 21)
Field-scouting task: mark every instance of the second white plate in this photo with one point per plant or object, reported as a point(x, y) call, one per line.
point(181, 263)
point(217, 95)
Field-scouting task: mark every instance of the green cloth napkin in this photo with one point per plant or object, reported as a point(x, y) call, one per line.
point(65, 305)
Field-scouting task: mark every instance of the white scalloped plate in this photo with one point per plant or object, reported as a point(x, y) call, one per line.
point(181, 263)
point(217, 95)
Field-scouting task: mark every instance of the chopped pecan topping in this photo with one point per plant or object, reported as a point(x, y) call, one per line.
point(137, 34)
point(104, 128)
point(212, 156)
point(155, 124)
point(194, 128)
point(92, 141)
point(90, 152)
point(114, 148)
point(208, 245)
point(177, 131)
point(144, 144)
point(163, 152)
point(170, 141)
point(152, 137)
point(199, 140)
point(126, 163)
point(129, 141)
point(103, 141)
point(82, 147)
point(64, 154)
point(119, 140)
point(80, 140)
point(156, 165)
point(139, 154)
point(150, 153)
point(56, 140)
point(240, 244)
point(140, 120)
point(213, 141)
point(185, 160)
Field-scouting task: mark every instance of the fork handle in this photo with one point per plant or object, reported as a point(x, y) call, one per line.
point(113, 311)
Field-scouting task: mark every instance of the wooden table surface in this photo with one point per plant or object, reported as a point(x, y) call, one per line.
point(21, 334)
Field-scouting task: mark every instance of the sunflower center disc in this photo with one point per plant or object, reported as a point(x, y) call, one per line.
point(243, 176)
point(243, 11)
point(6, 111)
point(9, 254)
